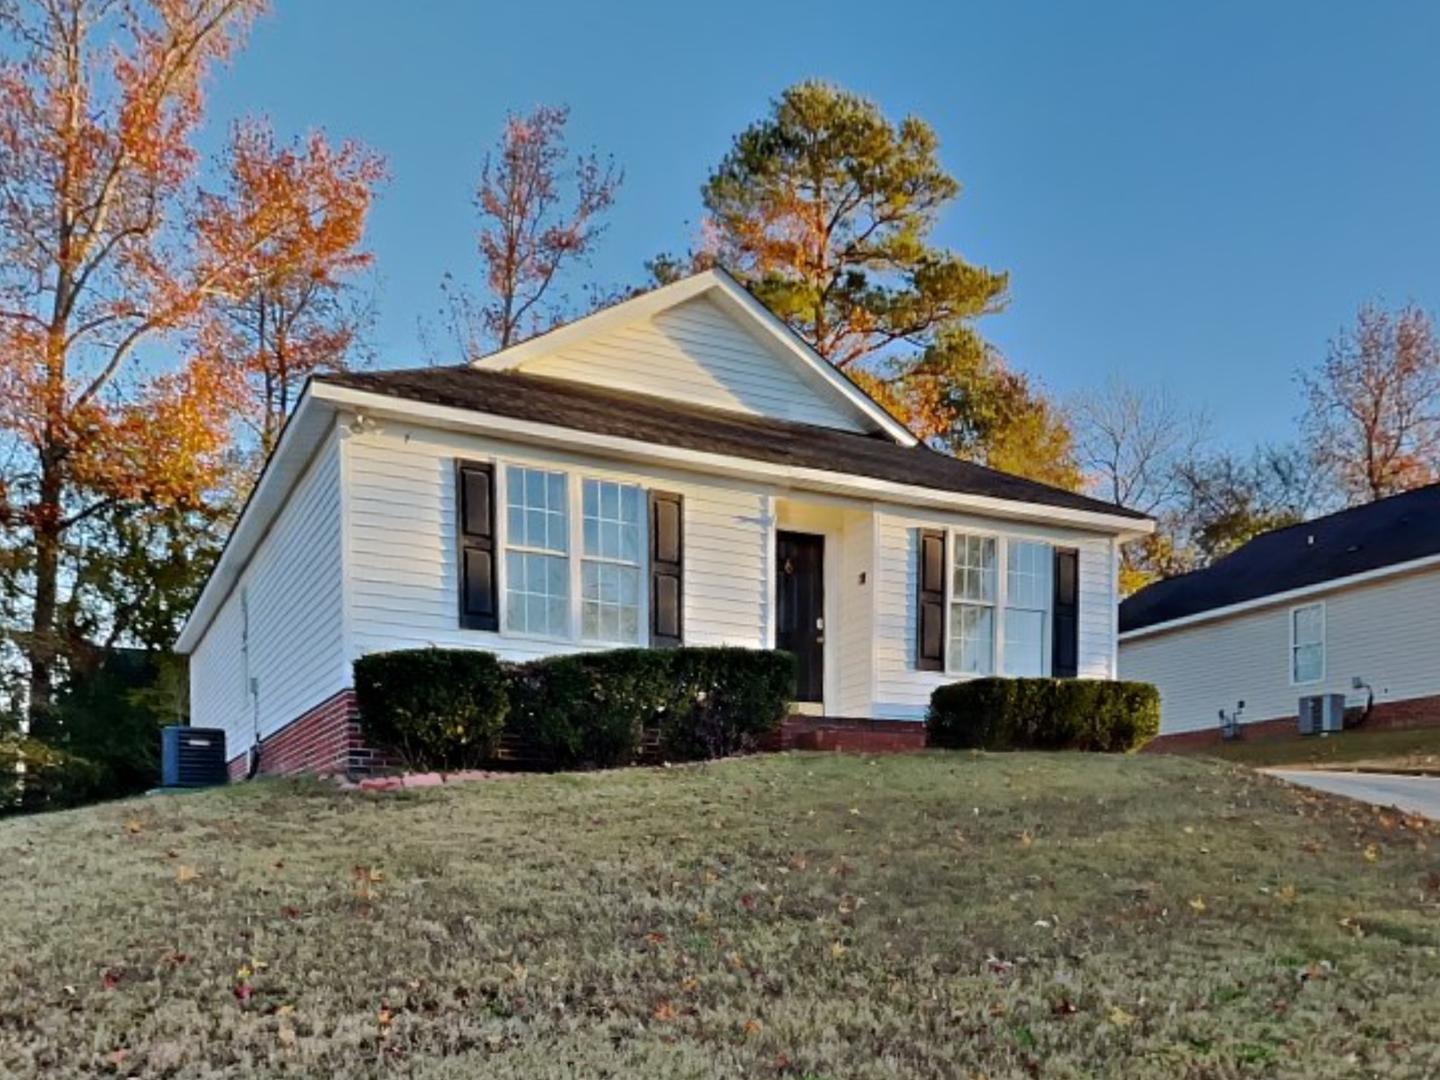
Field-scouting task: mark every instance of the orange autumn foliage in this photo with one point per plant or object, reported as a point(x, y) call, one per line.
point(112, 263)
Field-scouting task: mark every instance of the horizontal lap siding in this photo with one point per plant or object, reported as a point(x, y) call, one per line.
point(403, 584)
point(294, 589)
point(696, 353)
point(903, 691)
point(855, 634)
point(1387, 633)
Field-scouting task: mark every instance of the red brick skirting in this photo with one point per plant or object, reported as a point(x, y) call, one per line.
point(800, 732)
point(1422, 712)
point(326, 739)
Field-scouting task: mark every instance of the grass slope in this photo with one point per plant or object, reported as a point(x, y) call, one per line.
point(1417, 749)
point(817, 916)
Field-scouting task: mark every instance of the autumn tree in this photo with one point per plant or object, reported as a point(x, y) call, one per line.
point(825, 209)
point(292, 308)
point(1228, 499)
point(1132, 443)
point(541, 210)
point(960, 396)
point(1374, 404)
point(109, 260)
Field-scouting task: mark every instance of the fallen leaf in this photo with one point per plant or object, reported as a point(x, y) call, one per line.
point(1198, 904)
point(1120, 1018)
point(1372, 853)
point(751, 1027)
point(664, 1012)
point(134, 827)
point(837, 950)
point(185, 874)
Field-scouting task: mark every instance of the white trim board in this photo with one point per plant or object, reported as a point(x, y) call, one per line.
point(1274, 599)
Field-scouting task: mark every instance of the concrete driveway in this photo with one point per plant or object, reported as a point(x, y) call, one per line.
point(1413, 794)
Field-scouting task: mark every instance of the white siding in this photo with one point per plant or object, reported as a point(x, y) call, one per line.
point(292, 589)
point(696, 353)
point(902, 691)
point(1387, 632)
point(401, 527)
point(853, 637)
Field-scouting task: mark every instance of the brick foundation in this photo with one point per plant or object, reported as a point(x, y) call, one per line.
point(324, 740)
point(800, 732)
point(1423, 712)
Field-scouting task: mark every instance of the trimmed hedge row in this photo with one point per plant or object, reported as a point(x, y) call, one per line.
point(436, 708)
point(450, 708)
point(1044, 714)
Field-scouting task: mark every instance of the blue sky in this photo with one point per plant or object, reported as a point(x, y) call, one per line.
point(1195, 196)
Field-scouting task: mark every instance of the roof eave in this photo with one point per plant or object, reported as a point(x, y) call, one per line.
point(1303, 592)
point(456, 418)
point(306, 429)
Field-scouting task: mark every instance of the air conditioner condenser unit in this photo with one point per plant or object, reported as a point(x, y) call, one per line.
point(1322, 714)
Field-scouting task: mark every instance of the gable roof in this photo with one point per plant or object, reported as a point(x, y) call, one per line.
point(756, 438)
point(718, 285)
point(1389, 533)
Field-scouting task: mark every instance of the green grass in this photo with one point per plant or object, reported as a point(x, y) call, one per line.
point(1418, 749)
point(791, 915)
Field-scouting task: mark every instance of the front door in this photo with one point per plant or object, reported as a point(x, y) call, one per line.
point(800, 608)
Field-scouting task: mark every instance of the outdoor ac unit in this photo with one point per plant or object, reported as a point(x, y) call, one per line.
point(192, 757)
point(1322, 713)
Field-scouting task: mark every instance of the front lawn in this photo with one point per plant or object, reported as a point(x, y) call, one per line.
point(940, 914)
point(1403, 750)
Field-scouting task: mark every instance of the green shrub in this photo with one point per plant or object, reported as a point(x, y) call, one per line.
point(435, 708)
point(1044, 714)
point(726, 701)
point(35, 776)
point(590, 709)
point(604, 709)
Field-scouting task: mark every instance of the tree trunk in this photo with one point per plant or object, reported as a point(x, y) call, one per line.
point(41, 646)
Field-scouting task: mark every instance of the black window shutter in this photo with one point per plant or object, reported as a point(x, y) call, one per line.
point(1065, 645)
point(475, 509)
point(667, 565)
point(930, 601)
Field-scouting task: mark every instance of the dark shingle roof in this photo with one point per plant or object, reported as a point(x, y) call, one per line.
point(1384, 533)
point(667, 423)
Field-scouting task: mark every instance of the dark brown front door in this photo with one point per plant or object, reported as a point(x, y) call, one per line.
point(800, 607)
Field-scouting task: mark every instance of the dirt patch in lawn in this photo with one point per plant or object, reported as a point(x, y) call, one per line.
point(790, 915)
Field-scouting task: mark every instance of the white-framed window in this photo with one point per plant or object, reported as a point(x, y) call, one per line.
point(1307, 643)
point(1029, 590)
point(973, 593)
point(574, 553)
point(537, 546)
point(1001, 595)
point(610, 576)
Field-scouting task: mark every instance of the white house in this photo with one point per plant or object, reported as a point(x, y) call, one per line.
point(679, 467)
point(1345, 604)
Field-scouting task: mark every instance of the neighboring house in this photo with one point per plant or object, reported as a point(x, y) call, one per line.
point(678, 468)
point(1352, 598)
